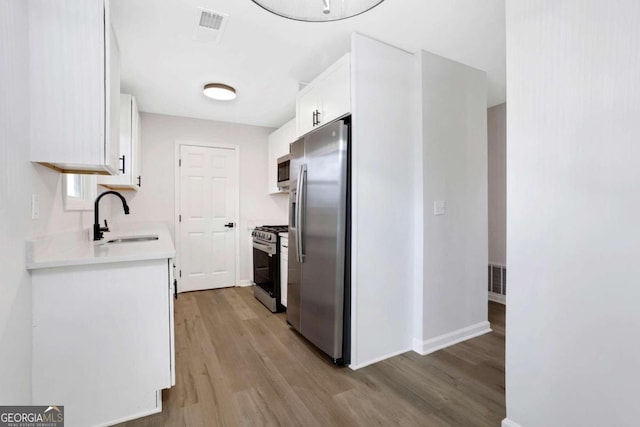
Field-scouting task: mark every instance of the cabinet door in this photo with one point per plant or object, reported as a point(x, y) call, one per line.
point(101, 338)
point(172, 339)
point(74, 69)
point(326, 98)
point(284, 265)
point(336, 92)
point(307, 103)
point(136, 140)
point(128, 149)
point(112, 96)
point(272, 158)
point(279, 142)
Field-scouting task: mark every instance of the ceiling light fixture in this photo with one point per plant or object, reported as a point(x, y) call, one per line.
point(219, 91)
point(317, 10)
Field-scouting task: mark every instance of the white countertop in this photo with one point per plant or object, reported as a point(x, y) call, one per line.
point(284, 234)
point(77, 248)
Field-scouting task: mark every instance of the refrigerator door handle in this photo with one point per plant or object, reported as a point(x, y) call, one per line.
point(299, 198)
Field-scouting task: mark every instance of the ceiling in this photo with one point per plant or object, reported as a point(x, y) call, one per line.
point(265, 56)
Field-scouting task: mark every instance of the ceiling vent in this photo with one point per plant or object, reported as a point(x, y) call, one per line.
point(209, 25)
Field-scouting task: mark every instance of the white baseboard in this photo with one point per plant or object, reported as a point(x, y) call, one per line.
point(499, 298)
point(451, 338)
point(134, 416)
point(509, 423)
point(377, 359)
point(245, 283)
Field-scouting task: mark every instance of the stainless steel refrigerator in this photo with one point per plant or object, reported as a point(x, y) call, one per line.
point(319, 246)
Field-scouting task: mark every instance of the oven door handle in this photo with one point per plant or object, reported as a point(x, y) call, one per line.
point(269, 249)
point(299, 226)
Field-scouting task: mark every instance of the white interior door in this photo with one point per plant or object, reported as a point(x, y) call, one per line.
point(207, 217)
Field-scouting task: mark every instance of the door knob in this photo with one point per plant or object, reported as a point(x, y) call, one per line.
point(230, 225)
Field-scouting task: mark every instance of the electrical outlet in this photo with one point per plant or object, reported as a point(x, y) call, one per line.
point(35, 206)
point(439, 207)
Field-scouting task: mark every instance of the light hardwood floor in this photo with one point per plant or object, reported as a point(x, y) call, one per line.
point(238, 364)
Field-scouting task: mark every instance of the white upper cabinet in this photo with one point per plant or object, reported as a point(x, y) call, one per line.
point(279, 142)
point(75, 86)
point(326, 98)
point(129, 177)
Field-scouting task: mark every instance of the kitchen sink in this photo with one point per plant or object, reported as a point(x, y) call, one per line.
point(133, 239)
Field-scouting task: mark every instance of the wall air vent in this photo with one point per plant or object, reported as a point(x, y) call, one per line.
point(497, 283)
point(211, 20)
point(209, 25)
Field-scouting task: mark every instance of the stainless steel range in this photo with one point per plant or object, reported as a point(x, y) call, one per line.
point(266, 265)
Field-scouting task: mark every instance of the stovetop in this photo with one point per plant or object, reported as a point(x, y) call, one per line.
point(269, 233)
point(274, 228)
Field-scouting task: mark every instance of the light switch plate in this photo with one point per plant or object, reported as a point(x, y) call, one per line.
point(439, 207)
point(35, 206)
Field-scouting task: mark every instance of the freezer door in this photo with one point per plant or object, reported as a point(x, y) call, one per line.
point(294, 273)
point(323, 223)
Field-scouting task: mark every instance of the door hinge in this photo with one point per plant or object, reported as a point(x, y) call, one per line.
point(180, 273)
point(179, 218)
point(179, 162)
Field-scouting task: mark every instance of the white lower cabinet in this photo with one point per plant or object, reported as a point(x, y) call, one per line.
point(284, 265)
point(103, 342)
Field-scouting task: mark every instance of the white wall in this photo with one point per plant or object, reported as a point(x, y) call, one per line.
point(155, 200)
point(47, 184)
point(383, 200)
point(15, 176)
point(573, 212)
point(497, 176)
point(454, 150)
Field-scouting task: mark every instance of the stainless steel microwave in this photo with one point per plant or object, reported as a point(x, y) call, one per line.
point(284, 169)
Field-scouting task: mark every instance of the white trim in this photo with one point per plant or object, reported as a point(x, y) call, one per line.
point(355, 171)
point(417, 345)
point(510, 423)
point(418, 211)
point(245, 283)
point(176, 204)
point(157, 410)
point(499, 298)
point(451, 338)
point(378, 359)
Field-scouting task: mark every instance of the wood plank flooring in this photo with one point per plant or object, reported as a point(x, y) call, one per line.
point(240, 365)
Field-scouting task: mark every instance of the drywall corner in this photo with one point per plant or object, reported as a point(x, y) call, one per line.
point(454, 142)
point(382, 196)
point(15, 188)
